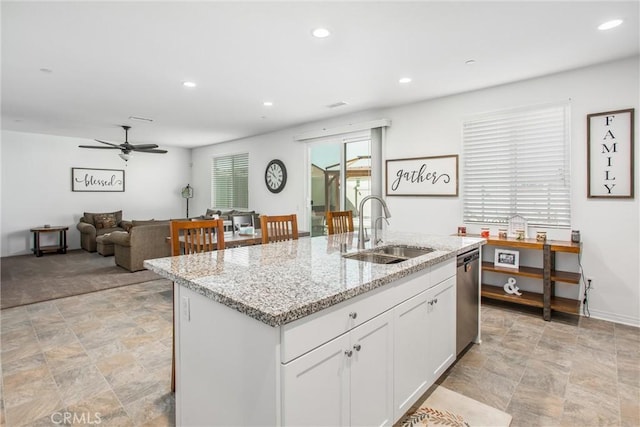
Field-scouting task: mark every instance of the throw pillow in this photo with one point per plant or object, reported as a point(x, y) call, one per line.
point(106, 220)
point(90, 217)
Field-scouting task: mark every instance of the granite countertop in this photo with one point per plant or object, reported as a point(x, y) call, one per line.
point(284, 281)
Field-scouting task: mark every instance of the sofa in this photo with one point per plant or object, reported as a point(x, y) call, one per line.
point(92, 225)
point(144, 240)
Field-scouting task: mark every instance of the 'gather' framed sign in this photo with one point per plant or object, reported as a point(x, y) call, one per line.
point(422, 176)
point(610, 154)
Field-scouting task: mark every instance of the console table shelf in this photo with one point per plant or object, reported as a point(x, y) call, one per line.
point(531, 299)
point(548, 275)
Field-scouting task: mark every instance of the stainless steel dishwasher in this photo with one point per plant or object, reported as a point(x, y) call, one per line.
point(467, 300)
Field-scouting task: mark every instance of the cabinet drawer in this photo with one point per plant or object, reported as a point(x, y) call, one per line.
point(443, 271)
point(305, 334)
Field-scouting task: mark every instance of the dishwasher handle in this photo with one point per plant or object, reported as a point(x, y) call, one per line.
point(468, 257)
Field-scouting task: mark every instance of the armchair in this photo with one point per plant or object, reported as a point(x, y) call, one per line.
point(145, 240)
point(92, 225)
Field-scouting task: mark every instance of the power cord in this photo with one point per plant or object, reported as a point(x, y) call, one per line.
point(587, 288)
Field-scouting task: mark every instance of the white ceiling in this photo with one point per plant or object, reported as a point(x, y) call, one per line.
point(113, 60)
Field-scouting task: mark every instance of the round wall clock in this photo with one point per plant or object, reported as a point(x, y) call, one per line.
point(275, 176)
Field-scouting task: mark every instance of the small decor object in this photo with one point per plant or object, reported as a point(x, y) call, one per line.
point(507, 259)
point(99, 180)
point(422, 176)
point(517, 223)
point(575, 236)
point(511, 288)
point(484, 232)
point(502, 233)
point(519, 234)
point(462, 231)
point(541, 236)
point(187, 193)
point(275, 176)
point(610, 154)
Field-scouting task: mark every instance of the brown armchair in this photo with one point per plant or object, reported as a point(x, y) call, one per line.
point(145, 240)
point(92, 225)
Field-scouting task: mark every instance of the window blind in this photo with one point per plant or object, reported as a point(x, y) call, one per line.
point(517, 163)
point(230, 181)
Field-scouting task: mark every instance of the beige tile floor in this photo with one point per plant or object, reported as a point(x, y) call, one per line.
point(108, 355)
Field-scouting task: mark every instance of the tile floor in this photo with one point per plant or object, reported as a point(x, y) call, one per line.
point(108, 355)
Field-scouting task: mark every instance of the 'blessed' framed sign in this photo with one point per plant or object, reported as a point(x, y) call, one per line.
point(422, 176)
point(610, 154)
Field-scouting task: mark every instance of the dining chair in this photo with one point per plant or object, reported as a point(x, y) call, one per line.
point(238, 221)
point(189, 237)
point(339, 221)
point(276, 228)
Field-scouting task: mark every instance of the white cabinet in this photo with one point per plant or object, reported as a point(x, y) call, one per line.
point(424, 342)
point(347, 381)
point(410, 366)
point(441, 330)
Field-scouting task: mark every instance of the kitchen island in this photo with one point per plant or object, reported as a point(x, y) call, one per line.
point(293, 333)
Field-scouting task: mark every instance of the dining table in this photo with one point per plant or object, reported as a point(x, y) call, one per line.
point(234, 239)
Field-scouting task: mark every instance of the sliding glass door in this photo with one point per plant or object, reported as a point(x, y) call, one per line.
point(340, 179)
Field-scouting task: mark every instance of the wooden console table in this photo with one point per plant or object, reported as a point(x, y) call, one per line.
point(548, 274)
point(60, 248)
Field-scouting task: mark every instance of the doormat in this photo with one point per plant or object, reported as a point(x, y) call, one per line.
point(444, 407)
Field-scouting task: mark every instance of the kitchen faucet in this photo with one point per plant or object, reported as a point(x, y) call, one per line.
point(387, 214)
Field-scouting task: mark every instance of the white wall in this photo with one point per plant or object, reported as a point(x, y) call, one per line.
point(610, 228)
point(36, 186)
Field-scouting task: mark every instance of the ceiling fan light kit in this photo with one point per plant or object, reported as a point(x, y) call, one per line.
point(126, 148)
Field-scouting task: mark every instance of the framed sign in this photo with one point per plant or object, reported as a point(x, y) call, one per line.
point(104, 180)
point(610, 154)
point(506, 258)
point(422, 176)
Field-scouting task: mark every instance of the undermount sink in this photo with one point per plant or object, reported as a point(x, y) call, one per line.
point(391, 254)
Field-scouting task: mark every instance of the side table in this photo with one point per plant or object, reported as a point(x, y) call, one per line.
point(60, 248)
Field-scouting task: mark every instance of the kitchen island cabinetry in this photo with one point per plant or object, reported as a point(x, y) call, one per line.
point(253, 354)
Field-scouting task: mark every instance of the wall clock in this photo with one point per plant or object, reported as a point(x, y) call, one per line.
point(275, 176)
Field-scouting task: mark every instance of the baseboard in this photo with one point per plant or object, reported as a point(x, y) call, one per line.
point(616, 318)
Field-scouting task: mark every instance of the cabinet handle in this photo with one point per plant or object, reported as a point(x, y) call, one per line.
point(349, 353)
point(357, 347)
point(353, 314)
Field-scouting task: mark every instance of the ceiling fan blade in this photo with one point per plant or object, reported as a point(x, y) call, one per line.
point(99, 147)
point(109, 143)
point(151, 150)
point(142, 146)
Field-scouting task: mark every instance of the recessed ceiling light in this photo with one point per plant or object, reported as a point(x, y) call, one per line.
point(188, 84)
point(46, 70)
point(267, 104)
point(610, 24)
point(321, 33)
point(470, 61)
point(405, 80)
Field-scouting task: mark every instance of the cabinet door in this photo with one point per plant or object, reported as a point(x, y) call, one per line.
point(411, 348)
point(372, 372)
point(441, 304)
point(315, 386)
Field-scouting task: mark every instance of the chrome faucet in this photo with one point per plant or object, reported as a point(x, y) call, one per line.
point(361, 231)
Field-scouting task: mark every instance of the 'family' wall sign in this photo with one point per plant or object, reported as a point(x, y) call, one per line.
point(422, 176)
point(610, 154)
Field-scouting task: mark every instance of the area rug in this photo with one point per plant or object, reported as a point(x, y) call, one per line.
point(444, 407)
point(26, 279)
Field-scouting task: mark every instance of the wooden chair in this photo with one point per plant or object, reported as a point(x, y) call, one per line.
point(276, 228)
point(339, 221)
point(189, 237)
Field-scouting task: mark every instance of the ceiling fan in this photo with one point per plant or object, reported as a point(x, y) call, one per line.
point(126, 148)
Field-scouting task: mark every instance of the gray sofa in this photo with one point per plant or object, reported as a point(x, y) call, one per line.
point(145, 240)
point(92, 225)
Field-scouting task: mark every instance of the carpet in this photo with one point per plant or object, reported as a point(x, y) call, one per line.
point(444, 407)
point(26, 279)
